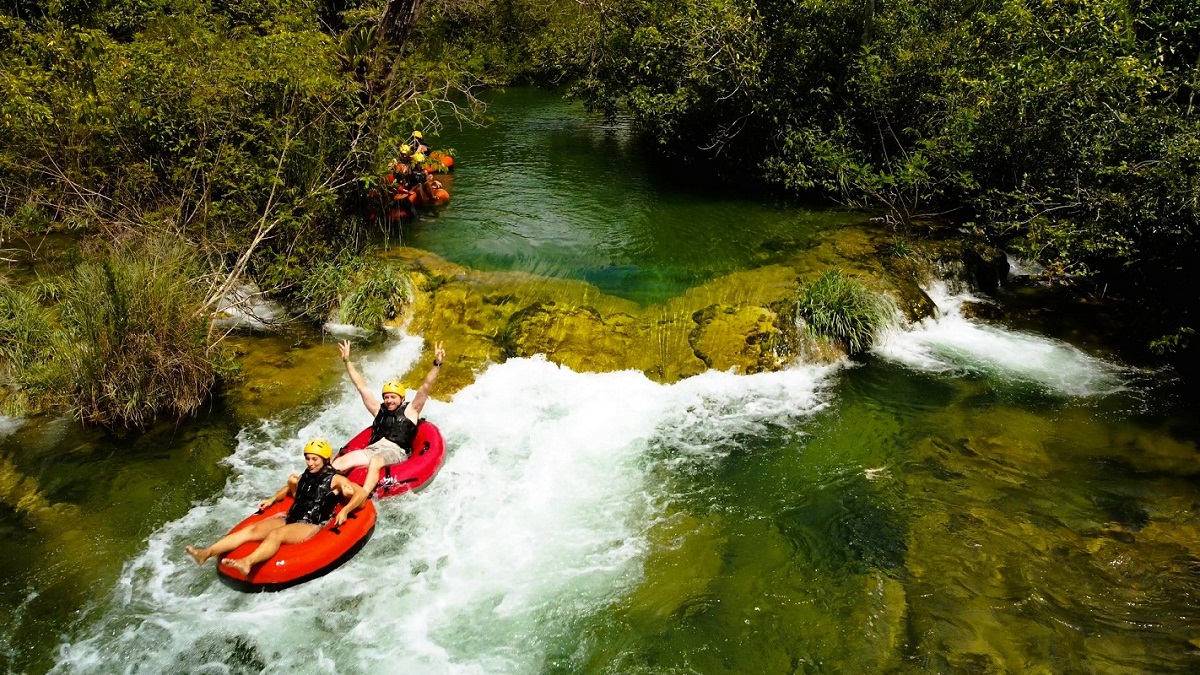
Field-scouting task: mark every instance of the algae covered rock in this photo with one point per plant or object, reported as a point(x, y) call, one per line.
point(742, 338)
point(575, 335)
point(486, 317)
point(745, 321)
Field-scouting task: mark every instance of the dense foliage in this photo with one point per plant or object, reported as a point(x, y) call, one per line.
point(1067, 130)
point(122, 341)
point(251, 129)
point(350, 291)
point(247, 131)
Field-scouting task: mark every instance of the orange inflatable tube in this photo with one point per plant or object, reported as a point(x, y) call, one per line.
point(295, 564)
point(440, 198)
point(441, 162)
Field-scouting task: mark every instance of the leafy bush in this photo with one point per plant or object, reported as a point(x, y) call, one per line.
point(123, 338)
point(137, 339)
point(375, 295)
point(361, 293)
point(841, 308)
point(27, 346)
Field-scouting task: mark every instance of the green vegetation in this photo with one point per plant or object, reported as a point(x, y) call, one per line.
point(250, 131)
point(898, 248)
point(121, 342)
point(134, 344)
point(1068, 131)
point(27, 331)
point(841, 308)
point(360, 293)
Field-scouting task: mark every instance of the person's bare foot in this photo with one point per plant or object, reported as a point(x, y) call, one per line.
point(200, 555)
point(240, 565)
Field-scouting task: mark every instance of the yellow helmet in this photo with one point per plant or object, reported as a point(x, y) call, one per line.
point(418, 157)
point(320, 448)
point(417, 135)
point(394, 387)
point(405, 149)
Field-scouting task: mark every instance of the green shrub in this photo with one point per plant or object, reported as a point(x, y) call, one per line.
point(135, 341)
point(360, 293)
point(898, 248)
point(841, 308)
point(375, 295)
point(27, 347)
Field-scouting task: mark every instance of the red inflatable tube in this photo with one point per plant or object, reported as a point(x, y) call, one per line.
point(413, 473)
point(295, 564)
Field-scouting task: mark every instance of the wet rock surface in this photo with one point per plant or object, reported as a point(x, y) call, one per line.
point(744, 322)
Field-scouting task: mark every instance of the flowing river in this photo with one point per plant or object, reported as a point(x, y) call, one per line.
point(970, 497)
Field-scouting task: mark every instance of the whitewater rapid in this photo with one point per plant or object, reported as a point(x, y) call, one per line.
point(951, 344)
point(539, 517)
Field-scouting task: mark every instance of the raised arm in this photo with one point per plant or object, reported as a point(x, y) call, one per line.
point(413, 411)
point(368, 398)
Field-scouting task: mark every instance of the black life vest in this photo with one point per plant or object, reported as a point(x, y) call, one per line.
point(315, 500)
point(394, 426)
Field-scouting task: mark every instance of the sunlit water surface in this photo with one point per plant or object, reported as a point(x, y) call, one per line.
point(547, 189)
point(967, 498)
point(1010, 511)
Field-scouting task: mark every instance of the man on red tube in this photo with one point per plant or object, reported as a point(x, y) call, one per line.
point(394, 426)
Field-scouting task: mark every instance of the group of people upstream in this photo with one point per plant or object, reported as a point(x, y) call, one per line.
point(317, 492)
point(409, 181)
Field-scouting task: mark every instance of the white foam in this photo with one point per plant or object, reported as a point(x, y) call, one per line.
point(344, 329)
point(245, 306)
point(9, 424)
point(538, 518)
point(1022, 267)
point(951, 343)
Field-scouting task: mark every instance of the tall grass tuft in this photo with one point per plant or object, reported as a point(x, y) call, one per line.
point(27, 339)
point(374, 296)
point(134, 342)
point(841, 308)
point(354, 291)
point(118, 341)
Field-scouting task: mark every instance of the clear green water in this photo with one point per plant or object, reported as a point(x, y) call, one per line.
point(547, 189)
point(967, 499)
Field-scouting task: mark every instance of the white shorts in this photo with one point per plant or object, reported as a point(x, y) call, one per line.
point(386, 450)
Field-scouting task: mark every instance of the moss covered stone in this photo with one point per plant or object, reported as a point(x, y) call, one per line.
point(744, 321)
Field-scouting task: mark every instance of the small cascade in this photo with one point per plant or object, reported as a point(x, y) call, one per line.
point(247, 307)
point(9, 424)
point(951, 343)
point(1021, 267)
